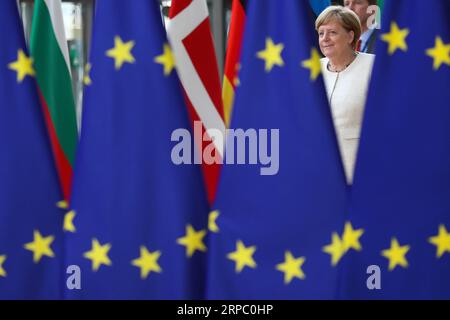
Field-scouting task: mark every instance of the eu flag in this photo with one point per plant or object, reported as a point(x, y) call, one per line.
point(139, 221)
point(31, 234)
point(280, 236)
point(401, 192)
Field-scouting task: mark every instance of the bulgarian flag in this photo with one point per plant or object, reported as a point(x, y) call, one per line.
point(48, 47)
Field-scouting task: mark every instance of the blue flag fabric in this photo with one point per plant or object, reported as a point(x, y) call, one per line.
point(401, 192)
point(140, 219)
point(31, 234)
point(275, 233)
point(319, 5)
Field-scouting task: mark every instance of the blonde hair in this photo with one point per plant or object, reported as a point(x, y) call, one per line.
point(346, 17)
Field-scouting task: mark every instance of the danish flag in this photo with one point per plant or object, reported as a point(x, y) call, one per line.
point(189, 33)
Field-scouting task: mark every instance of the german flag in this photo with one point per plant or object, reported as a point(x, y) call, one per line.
point(232, 65)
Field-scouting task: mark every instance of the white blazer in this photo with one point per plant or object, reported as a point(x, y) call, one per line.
point(347, 94)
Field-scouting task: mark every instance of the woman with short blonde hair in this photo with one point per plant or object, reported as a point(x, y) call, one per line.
point(347, 18)
point(346, 74)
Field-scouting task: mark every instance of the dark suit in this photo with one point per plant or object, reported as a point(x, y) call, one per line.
point(369, 47)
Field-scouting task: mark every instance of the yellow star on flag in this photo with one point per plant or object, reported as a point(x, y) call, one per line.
point(62, 205)
point(292, 267)
point(147, 262)
point(212, 221)
point(313, 64)
point(350, 238)
point(271, 55)
point(243, 256)
point(396, 255)
point(396, 38)
point(2, 270)
point(40, 246)
point(98, 254)
point(23, 66)
point(68, 222)
point(193, 240)
point(87, 81)
point(166, 59)
point(440, 53)
point(441, 241)
point(121, 52)
point(335, 249)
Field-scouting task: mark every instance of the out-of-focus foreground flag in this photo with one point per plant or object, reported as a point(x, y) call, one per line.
point(231, 71)
point(281, 236)
point(31, 234)
point(190, 36)
point(139, 220)
point(401, 192)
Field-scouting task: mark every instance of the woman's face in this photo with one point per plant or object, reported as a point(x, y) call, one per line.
point(334, 40)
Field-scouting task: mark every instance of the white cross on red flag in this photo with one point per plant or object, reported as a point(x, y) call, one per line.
point(191, 39)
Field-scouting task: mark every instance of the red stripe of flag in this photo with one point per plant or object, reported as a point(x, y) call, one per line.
point(200, 47)
point(64, 169)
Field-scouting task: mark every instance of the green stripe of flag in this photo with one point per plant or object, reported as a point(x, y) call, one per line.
point(53, 77)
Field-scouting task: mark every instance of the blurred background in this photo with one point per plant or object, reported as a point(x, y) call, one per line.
point(78, 17)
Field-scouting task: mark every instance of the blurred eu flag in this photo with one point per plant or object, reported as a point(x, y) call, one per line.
point(401, 193)
point(139, 221)
point(30, 222)
point(280, 236)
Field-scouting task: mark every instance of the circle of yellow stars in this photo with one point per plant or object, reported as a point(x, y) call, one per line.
point(242, 256)
point(193, 240)
point(121, 54)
